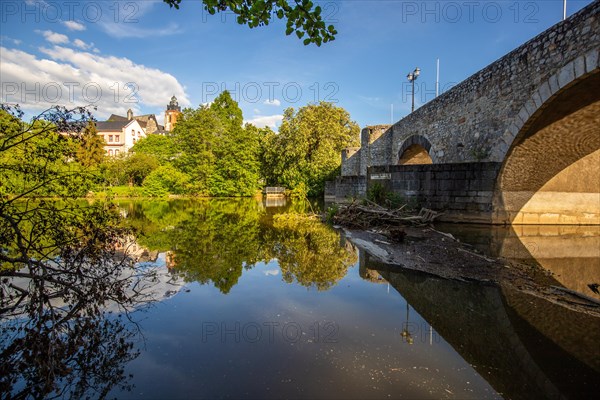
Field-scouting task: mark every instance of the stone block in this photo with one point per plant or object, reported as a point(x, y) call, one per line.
point(545, 91)
point(530, 107)
point(553, 82)
point(579, 65)
point(487, 184)
point(537, 99)
point(591, 61)
point(549, 218)
point(524, 115)
point(566, 75)
point(461, 184)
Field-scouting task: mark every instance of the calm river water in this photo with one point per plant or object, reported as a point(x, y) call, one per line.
point(257, 302)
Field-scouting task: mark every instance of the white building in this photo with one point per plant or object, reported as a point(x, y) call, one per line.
point(120, 136)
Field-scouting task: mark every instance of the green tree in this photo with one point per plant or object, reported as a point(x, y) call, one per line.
point(159, 146)
point(306, 152)
point(194, 137)
point(302, 16)
point(58, 265)
point(165, 180)
point(90, 152)
point(138, 166)
point(236, 152)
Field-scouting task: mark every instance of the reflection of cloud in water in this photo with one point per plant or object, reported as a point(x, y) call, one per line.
point(164, 284)
point(271, 272)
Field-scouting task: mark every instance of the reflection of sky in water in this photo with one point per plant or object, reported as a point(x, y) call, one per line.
point(267, 338)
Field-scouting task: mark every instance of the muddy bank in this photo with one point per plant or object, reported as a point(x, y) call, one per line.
point(427, 250)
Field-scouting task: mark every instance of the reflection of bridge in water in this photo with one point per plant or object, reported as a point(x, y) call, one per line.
point(525, 347)
point(570, 253)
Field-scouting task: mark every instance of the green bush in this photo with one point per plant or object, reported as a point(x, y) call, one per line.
point(165, 180)
point(377, 193)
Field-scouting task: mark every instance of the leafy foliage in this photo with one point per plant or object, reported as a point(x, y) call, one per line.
point(302, 16)
point(59, 265)
point(215, 240)
point(165, 180)
point(90, 152)
point(307, 149)
point(138, 166)
point(158, 146)
point(236, 152)
point(194, 137)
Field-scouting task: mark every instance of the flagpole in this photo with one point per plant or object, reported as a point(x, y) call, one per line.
point(564, 9)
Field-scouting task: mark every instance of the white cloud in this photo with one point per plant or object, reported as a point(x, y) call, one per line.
point(72, 77)
point(274, 102)
point(267, 120)
point(74, 25)
point(82, 45)
point(53, 37)
point(16, 42)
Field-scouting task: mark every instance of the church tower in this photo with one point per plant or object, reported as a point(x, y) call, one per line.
point(171, 114)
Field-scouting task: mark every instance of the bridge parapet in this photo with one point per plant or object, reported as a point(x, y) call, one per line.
point(533, 114)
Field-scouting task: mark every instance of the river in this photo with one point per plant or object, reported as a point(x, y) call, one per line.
point(255, 299)
point(261, 303)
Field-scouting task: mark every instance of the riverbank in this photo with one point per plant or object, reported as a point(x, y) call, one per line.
point(440, 254)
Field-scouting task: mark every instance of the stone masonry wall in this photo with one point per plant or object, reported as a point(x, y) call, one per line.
point(471, 121)
point(463, 191)
point(474, 121)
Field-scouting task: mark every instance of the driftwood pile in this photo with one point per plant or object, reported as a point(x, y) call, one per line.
point(365, 216)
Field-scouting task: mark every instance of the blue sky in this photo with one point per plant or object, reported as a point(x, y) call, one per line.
point(137, 54)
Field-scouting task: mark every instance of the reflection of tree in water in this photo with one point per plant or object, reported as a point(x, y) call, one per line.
point(57, 339)
point(214, 240)
point(59, 269)
point(210, 240)
point(309, 251)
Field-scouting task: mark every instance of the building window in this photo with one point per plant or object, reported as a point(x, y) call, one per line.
point(116, 152)
point(133, 140)
point(139, 134)
point(110, 138)
point(110, 152)
point(117, 138)
point(133, 132)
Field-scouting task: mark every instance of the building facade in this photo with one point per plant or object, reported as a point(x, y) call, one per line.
point(120, 136)
point(171, 114)
point(121, 133)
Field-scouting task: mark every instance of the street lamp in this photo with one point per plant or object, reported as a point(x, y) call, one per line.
point(412, 77)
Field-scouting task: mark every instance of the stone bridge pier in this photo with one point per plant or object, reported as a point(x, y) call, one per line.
point(516, 143)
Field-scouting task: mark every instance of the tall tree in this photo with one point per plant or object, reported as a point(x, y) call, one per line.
point(306, 152)
point(90, 152)
point(195, 135)
point(58, 265)
point(302, 16)
point(159, 146)
point(236, 150)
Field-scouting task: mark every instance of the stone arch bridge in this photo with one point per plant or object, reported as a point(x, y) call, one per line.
point(516, 143)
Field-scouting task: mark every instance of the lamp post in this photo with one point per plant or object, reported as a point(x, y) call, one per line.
point(412, 77)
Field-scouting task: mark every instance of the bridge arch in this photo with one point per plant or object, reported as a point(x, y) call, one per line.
point(416, 149)
point(550, 172)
